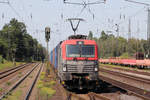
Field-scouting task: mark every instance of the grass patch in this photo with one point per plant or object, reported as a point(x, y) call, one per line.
point(110, 65)
point(14, 96)
point(46, 91)
point(23, 86)
point(1, 90)
point(42, 76)
point(8, 83)
point(30, 76)
point(20, 74)
point(45, 87)
point(8, 64)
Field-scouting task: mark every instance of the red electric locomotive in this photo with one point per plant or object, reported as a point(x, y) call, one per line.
point(76, 62)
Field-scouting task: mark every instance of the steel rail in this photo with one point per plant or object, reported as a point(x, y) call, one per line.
point(128, 70)
point(136, 91)
point(33, 84)
point(141, 79)
point(91, 96)
point(10, 71)
point(94, 95)
point(70, 95)
point(18, 82)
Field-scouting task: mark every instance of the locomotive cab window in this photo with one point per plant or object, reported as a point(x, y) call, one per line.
point(80, 50)
point(87, 51)
point(73, 51)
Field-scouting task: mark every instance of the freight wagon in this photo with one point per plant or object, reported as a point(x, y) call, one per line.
point(142, 64)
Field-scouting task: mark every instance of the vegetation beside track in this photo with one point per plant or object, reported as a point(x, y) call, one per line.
point(14, 96)
point(111, 46)
point(45, 86)
point(8, 64)
point(110, 65)
point(16, 43)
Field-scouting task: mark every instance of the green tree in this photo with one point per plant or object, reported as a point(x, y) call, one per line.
point(111, 46)
point(104, 36)
point(90, 36)
point(18, 43)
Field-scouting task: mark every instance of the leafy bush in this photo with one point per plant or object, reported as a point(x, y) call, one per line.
point(125, 55)
point(1, 60)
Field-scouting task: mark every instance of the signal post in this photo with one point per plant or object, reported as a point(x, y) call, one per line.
point(47, 38)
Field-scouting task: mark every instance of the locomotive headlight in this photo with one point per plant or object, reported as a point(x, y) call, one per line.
point(96, 66)
point(64, 69)
point(96, 69)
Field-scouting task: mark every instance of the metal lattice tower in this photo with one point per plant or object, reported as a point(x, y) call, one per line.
point(148, 33)
point(148, 19)
point(148, 26)
point(129, 30)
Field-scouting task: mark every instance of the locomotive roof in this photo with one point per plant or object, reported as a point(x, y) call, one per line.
point(78, 36)
point(74, 41)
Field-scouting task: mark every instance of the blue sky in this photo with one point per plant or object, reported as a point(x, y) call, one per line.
point(37, 14)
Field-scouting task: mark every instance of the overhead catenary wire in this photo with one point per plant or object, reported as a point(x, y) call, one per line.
point(5, 1)
point(84, 4)
point(9, 4)
point(127, 18)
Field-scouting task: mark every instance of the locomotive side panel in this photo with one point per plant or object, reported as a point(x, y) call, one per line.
point(51, 57)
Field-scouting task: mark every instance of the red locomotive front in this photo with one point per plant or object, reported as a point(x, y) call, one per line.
point(79, 63)
point(76, 62)
point(79, 50)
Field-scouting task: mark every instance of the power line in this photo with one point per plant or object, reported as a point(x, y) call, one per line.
point(13, 9)
point(6, 2)
point(9, 4)
point(85, 5)
point(121, 22)
point(146, 4)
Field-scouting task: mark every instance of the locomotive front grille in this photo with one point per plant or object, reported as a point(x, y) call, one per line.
point(80, 69)
point(72, 69)
point(88, 69)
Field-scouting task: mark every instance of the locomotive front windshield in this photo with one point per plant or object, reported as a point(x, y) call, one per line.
point(80, 50)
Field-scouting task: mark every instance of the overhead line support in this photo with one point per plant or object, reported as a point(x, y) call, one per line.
point(4, 2)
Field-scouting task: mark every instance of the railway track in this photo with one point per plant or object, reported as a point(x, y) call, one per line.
point(12, 76)
point(131, 89)
point(137, 71)
point(12, 70)
point(21, 81)
point(89, 96)
point(74, 96)
point(137, 78)
point(33, 84)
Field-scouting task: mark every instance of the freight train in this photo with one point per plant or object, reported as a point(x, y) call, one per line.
point(75, 61)
point(142, 64)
